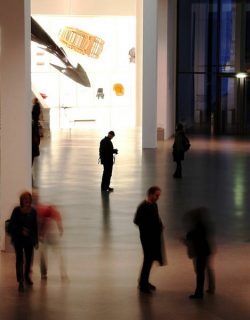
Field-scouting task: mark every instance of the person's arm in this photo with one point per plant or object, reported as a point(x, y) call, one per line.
point(35, 229)
point(58, 218)
point(14, 229)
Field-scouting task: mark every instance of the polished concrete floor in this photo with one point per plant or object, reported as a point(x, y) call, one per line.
point(101, 244)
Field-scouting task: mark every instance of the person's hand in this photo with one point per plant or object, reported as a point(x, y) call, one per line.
point(25, 232)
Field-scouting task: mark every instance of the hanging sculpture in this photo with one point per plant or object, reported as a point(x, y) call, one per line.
point(81, 42)
point(131, 54)
point(119, 89)
point(77, 74)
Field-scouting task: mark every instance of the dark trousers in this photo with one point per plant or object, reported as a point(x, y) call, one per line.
point(200, 267)
point(106, 176)
point(145, 271)
point(23, 249)
point(178, 171)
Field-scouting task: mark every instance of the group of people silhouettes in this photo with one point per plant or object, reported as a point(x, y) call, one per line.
point(199, 240)
point(199, 231)
point(33, 226)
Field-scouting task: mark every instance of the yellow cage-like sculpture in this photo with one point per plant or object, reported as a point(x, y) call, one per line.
point(81, 42)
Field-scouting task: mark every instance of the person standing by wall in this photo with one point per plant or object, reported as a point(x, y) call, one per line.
point(106, 156)
point(150, 226)
point(23, 230)
point(36, 110)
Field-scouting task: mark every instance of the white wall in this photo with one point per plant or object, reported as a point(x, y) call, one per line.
point(149, 76)
point(84, 7)
point(171, 35)
point(15, 93)
point(162, 65)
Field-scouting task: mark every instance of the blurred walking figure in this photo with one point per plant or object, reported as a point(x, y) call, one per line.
point(200, 247)
point(24, 236)
point(180, 146)
point(150, 226)
point(50, 233)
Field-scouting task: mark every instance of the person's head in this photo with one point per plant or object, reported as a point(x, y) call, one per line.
point(153, 194)
point(179, 127)
point(25, 199)
point(111, 134)
point(35, 101)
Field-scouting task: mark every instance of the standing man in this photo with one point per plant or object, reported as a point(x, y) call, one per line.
point(106, 153)
point(149, 222)
point(180, 146)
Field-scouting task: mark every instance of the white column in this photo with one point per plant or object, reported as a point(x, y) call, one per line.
point(171, 67)
point(149, 76)
point(162, 65)
point(138, 60)
point(15, 105)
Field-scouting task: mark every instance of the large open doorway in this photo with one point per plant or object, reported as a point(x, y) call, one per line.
point(110, 100)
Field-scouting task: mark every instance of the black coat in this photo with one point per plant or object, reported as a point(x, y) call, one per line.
point(197, 241)
point(106, 151)
point(181, 144)
point(19, 221)
point(149, 222)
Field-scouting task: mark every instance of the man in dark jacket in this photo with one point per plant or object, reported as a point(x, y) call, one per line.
point(149, 222)
point(106, 153)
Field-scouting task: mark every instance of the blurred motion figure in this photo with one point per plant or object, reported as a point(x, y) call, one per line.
point(50, 233)
point(200, 247)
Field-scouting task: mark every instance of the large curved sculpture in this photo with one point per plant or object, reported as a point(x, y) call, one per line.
point(77, 74)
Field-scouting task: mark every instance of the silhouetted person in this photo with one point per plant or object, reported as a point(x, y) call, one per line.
point(150, 226)
point(24, 236)
point(180, 146)
point(36, 110)
point(35, 140)
point(106, 154)
point(200, 246)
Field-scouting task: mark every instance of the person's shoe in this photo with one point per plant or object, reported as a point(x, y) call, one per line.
point(196, 296)
point(29, 281)
point(111, 189)
point(20, 287)
point(151, 286)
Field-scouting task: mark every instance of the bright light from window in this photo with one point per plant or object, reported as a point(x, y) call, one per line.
point(241, 75)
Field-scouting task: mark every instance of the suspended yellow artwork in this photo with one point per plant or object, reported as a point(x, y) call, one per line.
point(81, 42)
point(119, 89)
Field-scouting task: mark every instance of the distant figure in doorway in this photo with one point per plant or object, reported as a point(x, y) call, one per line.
point(106, 156)
point(150, 226)
point(35, 140)
point(36, 110)
point(180, 146)
point(23, 230)
point(50, 234)
point(200, 247)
